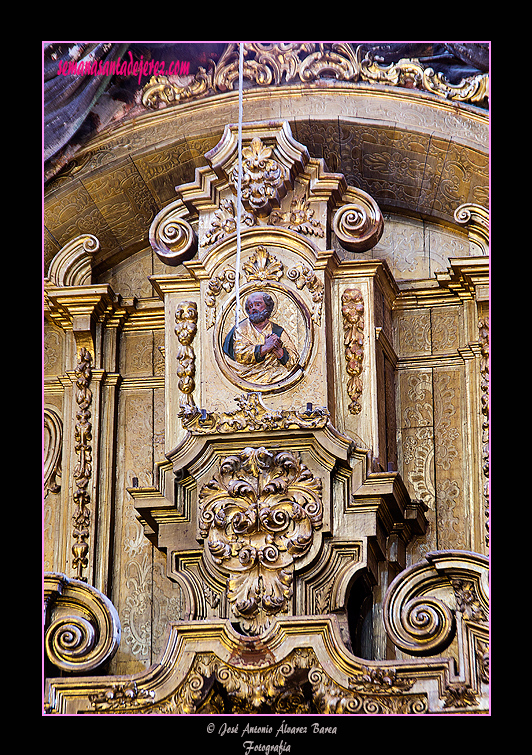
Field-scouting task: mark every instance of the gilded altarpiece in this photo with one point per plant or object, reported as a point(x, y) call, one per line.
point(285, 494)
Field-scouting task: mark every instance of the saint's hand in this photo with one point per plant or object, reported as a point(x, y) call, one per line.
point(272, 343)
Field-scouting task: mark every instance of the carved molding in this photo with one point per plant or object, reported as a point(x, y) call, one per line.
point(484, 334)
point(353, 319)
point(258, 515)
point(186, 318)
point(267, 64)
point(298, 685)
point(299, 666)
point(82, 628)
point(83, 468)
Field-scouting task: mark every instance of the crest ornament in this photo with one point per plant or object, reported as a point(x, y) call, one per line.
point(262, 177)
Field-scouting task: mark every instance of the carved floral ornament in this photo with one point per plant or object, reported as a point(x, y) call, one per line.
point(258, 516)
point(267, 64)
point(264, 267)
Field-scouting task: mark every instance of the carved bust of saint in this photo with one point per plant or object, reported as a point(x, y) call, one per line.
point(261, 349)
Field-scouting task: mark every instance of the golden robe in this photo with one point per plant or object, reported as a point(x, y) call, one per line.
point(257, 368)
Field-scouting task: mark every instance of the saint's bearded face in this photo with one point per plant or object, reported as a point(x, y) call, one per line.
point(257, 309)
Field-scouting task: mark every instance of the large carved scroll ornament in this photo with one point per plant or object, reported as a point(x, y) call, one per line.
point(258, 516)
point(82, 628)
point(417, 619)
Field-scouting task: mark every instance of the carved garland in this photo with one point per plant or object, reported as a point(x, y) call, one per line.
point(298, 683)
point(258, 516)
point(186, 317)
point(252, 414)
point(83, 468)
point(353, 317)
point(484, 333)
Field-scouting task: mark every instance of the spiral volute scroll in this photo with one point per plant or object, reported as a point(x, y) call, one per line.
point(82, 628)
point(420, 624)
point(358, 224)
point(421, 603)
point(72, 265)
point(171, 236)
point(426, 624)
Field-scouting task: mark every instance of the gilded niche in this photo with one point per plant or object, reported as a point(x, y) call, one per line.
point(258, 516)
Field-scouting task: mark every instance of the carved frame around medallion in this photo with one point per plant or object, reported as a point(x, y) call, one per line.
point(227, 311)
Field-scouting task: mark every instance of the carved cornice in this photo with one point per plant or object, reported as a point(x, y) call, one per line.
point(274, 165)
point(301, 665)
point(271, 64)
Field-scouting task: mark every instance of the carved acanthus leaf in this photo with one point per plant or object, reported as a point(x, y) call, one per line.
point(258, 516)
point(262, 177)
point(263, 266)
point(300, 218)
point(225, 222)
point(267, 64)
point(303, 275)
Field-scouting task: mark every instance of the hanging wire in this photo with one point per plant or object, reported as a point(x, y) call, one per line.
point(239, 182)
